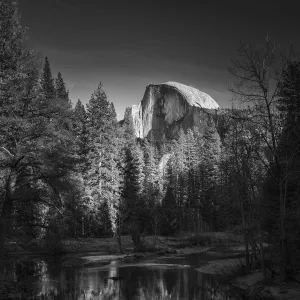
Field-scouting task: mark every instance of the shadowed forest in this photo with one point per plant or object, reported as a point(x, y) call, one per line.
point(69, 172)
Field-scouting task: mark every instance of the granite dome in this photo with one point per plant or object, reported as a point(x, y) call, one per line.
point(193, 96)
point(167, 107)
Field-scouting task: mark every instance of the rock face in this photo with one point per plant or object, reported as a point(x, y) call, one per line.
point(167, 107)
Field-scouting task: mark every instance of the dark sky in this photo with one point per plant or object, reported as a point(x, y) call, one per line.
point(129, 44)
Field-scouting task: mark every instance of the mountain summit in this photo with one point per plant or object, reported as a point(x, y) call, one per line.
point(168, 106)
point(193, 96)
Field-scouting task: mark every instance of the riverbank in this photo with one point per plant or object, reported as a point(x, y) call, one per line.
point(107, 246)
point(253, 285)
point(257, 287)
point(91, 250)
point(74, 252)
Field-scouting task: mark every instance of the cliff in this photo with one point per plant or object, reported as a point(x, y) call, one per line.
point(167, 107)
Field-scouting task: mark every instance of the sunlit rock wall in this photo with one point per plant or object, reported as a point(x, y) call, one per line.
point(167, 107)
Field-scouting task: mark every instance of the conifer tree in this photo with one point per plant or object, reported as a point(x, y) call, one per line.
point(150, 169)
point(101, 120)
point(129, 134)
point(209, 172)
point(80, 129)
point(60, 88)
point(99, 112)
point(47, 81)
point(132, 192)
point(133, 181)
point(153, 184)
point(193, 199)
point(104, 218)
point(104, 154)
point(111, 180)
point(182, 171)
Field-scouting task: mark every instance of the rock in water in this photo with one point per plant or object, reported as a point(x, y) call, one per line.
point(167, 107)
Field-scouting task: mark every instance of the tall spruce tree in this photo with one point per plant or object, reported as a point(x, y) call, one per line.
point(99, 111)
point(150, 170)
point(47, 80)
point(133, 181)
point(132, 192)
point(193, 195)
point(182, 177)
point(209, 173)
point(103, 175)
point(60, 88)
point(153, 184)
point(80, 129)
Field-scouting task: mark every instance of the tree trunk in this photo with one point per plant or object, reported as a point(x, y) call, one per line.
point(262, 254)
point(155, 226)
point(180, 223)
point(200, 221)
point(7, 208)
point(155, 235)
point(197, 222)
point(284, 246)
point(246, 241)
point(136, 237)
point(119, 240)
point(5, 222)
point(119, 234)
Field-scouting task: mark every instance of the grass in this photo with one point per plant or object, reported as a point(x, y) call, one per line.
point(160, 244)
point(212, 239)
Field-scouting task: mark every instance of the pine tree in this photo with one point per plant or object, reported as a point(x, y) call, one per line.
point(80, 129)
point(193, 195)
point(104, 154)
point(128, 126)
point(209, 172)
point(132, 192)
point(150, 170)
point(47, 81)
point(111, 180)
point(153, 185)
point(101, 120)
point(104, 218)
point(60, 89)
point(99, 111)
point(182, 177)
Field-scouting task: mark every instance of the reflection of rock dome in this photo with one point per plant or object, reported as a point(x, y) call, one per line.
point(165, 107)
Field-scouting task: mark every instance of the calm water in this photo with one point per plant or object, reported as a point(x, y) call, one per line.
point(165, 278)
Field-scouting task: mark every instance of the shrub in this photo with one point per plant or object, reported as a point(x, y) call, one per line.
point(52, 243)
point(200, 240)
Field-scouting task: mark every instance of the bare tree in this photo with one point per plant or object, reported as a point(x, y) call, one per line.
point(257, 75)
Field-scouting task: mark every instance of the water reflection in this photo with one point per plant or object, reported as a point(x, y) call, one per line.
point(49, 281)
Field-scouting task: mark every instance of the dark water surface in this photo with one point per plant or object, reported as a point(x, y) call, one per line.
point(151, 278)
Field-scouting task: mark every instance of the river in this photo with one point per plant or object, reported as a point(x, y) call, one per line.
point(163, 278)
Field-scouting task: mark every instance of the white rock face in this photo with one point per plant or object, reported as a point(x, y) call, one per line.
point(194, 97)
point(137, 120)
point(167, 107)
